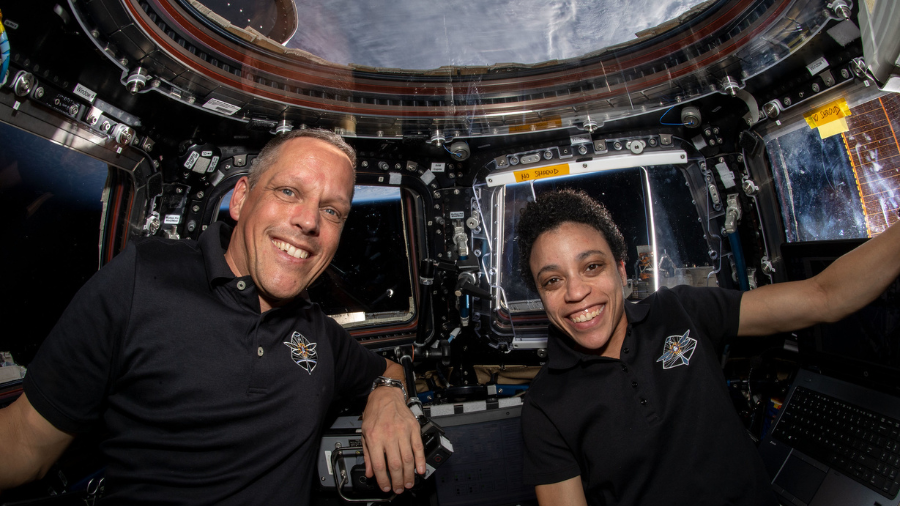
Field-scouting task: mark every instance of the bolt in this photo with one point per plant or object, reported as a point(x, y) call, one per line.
point(845, 73)
point(800, 94)
point(786, 101)
point(200, 195)
point(456, 192)
point(437, 195)
point(815, 87)
point(73, 110)
point(38, 93)
point(196, 209)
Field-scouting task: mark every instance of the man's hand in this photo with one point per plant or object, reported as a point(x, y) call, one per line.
point(391, 438)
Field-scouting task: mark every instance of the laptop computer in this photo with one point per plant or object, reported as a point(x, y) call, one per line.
point(836, 440)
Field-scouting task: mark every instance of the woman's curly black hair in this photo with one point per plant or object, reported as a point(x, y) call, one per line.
point(551, 210)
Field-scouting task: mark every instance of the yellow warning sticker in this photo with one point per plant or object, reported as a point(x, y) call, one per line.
point(541, 172)
point(828, 113)
point(533, 127)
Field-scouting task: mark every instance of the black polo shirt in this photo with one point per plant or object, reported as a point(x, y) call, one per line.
point(656, 426)
point(205, 400)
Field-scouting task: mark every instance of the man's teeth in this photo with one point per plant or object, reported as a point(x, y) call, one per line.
point(586, 316)
point(290, 250)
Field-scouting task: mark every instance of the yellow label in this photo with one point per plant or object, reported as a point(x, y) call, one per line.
point(828, 113)
point(541, 172)
point(835, 127)
point(533, 127)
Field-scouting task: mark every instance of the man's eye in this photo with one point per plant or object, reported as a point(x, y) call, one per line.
point(550, 282)
point(287, 192)
point(333, 214)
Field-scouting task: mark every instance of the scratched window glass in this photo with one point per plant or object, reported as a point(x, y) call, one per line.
point(844, 186)
point(680, 246)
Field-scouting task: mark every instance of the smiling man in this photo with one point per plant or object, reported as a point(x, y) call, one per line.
point(632, 406)
point(202, 363)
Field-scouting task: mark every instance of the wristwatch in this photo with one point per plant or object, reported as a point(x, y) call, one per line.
point(389, 382)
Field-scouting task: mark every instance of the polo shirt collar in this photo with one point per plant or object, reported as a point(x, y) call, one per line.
point(213, 243)
point(563, 355)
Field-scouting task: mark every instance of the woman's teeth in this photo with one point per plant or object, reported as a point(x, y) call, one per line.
point(290, 250)
point(585, 316)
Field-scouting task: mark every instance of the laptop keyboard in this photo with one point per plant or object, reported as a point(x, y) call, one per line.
point(859, 443)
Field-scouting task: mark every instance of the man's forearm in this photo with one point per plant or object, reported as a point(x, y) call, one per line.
point(30, 444)
point(395, 371)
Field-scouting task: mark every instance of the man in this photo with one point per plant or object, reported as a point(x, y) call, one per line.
point(210, 374)
point(632, 407)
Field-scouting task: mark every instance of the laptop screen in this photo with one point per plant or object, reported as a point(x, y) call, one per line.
point(863, 348)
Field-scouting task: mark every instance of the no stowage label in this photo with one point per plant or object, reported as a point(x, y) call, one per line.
point(541, 172)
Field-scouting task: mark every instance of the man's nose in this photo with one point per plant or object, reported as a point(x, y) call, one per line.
point(306, 217)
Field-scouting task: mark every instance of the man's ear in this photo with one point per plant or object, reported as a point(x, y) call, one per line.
point(620, 265)
point(241, 189)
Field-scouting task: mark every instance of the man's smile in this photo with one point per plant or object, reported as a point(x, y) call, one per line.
point(290, 249)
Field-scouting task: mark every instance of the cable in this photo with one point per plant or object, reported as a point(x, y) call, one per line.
point(457, 155)
point(664, 115)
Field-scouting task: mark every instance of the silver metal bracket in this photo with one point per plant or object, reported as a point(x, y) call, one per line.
point(732, 213)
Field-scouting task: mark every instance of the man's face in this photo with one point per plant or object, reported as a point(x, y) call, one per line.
point(580, 284)
point(289, 224)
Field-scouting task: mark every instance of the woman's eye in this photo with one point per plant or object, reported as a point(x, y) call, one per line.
point(287, 192)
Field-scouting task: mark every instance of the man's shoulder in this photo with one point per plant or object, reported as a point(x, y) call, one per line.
point(161, 251)
point(164, 245)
